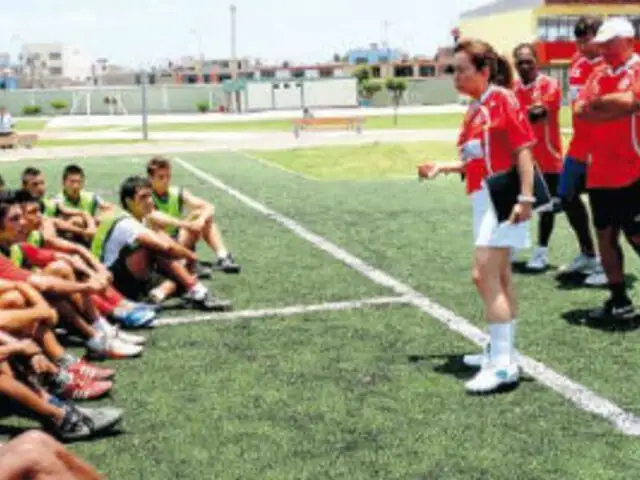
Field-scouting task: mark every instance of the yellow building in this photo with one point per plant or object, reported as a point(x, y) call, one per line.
point(548, 24)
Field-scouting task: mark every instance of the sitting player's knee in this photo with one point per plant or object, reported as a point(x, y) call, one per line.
point(13, 300)
point(61, 269)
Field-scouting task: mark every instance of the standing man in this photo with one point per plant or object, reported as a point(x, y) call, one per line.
point(608, 102)
point(574, 174)
point(540, 98)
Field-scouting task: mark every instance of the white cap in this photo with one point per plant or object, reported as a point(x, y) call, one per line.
point(614, 27)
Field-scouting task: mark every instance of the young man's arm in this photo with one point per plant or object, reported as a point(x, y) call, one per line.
point(204, 209)
point(162, 220)
point(611, 107)
point(37, 310)
point(58, 286)
point(56, 243)
point(164, 245)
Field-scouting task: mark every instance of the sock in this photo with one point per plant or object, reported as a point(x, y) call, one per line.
point(103, 306)
point(198, 291)
point(157, 295)
point(67, 360)
point(103, 325)
point(222, 253)
point(618, 291)
point(501, 335)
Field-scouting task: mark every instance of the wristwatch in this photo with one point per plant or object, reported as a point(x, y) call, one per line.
point(526, 199)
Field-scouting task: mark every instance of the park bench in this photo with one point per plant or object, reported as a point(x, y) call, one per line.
point(17, 140)
point(309, 123)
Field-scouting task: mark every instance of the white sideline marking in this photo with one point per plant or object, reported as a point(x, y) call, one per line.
point(578, 394)
point(285, 311)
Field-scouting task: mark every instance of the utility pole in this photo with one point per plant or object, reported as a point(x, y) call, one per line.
point(144, 79)
point(233, 11)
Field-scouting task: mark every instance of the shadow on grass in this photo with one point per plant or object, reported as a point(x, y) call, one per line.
point(580, 318)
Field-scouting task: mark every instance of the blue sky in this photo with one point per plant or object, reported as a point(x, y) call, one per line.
point(137, 32)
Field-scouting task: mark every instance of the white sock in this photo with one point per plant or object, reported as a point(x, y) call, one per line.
point(501, 335)
point(222, 253)
point(198, 291)
point(157, 295)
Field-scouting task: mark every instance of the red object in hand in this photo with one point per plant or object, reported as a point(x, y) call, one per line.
point(425, 169)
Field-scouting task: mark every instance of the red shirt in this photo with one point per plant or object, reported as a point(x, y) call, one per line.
point(580, 70)
point(548, 148)
point(614, 145)
point(36, 256)
point(8, 271)
point(494, 128)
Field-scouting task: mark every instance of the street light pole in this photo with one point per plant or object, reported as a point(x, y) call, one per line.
point(145, 108)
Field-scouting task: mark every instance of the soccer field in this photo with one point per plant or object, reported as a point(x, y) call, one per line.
point(342, 358)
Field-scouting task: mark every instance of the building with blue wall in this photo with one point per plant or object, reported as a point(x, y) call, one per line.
point(372, 55)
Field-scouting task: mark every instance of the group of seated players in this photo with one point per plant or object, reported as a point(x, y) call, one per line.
point(75, 264)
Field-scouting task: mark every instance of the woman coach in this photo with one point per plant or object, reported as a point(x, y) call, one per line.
point(494, 137)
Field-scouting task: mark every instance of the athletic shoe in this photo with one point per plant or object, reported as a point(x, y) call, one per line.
point(597, 279)
point(81, 423)
point(207, 302)
point(476, 360)
point(203, 271)
point(81, 388)
point(106, 347)
point(582, 264)
point(539, 260)
point(492, 377)
point(136, 317)
point(612, 310)
point(114, 332)
point(227, 265)
point(86, 370)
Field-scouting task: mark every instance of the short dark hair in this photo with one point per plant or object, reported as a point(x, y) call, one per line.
point(72, 169)
point(587, 25)
point(525, 45)
point(29, 172)
point(7, 199)
point(158, 163)
point(130, 187)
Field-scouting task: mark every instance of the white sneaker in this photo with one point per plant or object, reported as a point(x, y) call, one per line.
point(539, 259)
point(113, 348)
point(581, 264)
point(597, 279)
point(113, 331)
point(476, 360)
point(491, 377)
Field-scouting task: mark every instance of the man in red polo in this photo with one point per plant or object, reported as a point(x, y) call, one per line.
point(540, 98)
point(613, 176)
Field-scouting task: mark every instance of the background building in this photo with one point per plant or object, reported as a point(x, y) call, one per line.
point(49, 64)
point(548, 24)
point(373, 54)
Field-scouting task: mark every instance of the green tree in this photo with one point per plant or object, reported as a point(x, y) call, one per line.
point(396, 88)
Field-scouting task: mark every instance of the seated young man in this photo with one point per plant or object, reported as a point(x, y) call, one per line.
point(110, 303)
point(133, 252)
point(73, 223)
point(198, 223)
point(57, 281)
point(26, 315)
point(36, 455)
point(74, 195)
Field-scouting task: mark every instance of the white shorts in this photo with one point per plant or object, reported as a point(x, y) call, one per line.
point(487, 232)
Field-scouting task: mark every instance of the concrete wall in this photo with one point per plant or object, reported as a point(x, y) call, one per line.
point(183, 98)
point(503, 30)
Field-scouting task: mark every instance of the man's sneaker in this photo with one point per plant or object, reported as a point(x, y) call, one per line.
point(539, 260)
point(80, 388)
point(106, 347)
point(597, 279)
point(207, 302)
point(86, 370)
point(476, 360)
point(203, 271)
point(84, 423)
point(112, 331)
point(227, 265)
point(582, 264)
point(492, 377)
point(611, 310)
point(136, 317)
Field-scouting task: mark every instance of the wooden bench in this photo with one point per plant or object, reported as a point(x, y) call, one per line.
point(349, 123)
point(17, 140)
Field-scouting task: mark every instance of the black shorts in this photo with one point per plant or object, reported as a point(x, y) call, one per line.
point(618, 208)
point(126, 283)
point(552, 180)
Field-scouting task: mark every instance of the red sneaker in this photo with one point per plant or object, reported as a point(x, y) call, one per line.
point(79, 388)
point(86, 370)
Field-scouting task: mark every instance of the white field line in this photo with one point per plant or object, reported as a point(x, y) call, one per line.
point(285, 311)
point(578, 394)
